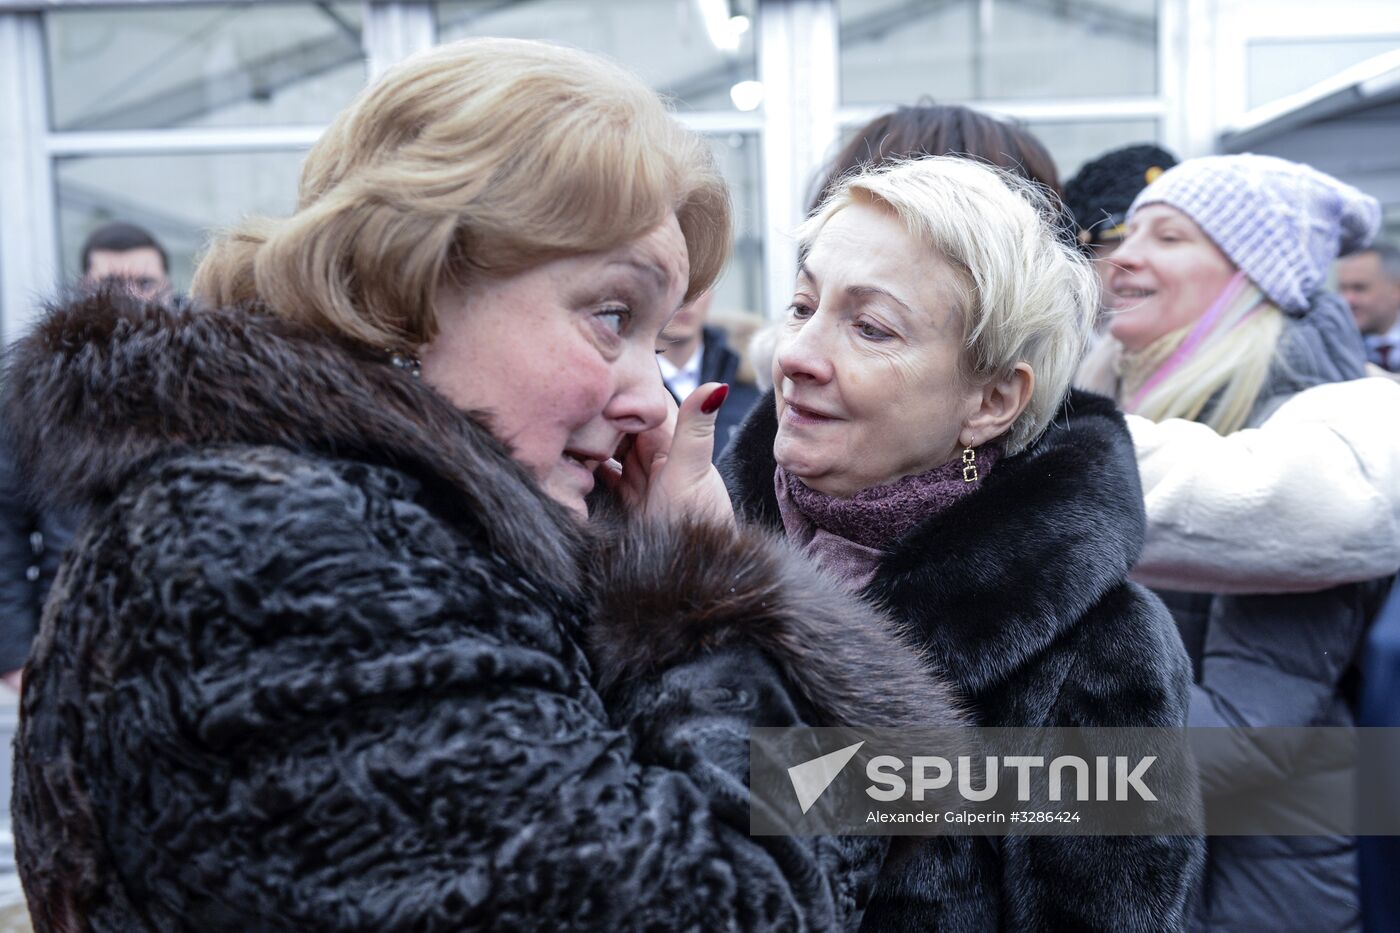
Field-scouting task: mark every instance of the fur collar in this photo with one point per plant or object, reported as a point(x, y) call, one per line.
point(106, 384)
point(991, 582)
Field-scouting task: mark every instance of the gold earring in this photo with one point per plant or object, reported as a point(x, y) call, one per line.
point(969, 465)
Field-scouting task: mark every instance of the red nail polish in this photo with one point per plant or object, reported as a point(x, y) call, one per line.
point(715, 400)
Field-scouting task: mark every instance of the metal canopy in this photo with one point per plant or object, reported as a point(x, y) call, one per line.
point(1361, 88)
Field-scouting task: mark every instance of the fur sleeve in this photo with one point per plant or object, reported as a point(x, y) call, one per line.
point(667, 594)
point(1241, 514)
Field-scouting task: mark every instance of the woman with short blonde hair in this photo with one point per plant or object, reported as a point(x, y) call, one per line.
point(1020, 298)
point(340, 647)
point(923, 447)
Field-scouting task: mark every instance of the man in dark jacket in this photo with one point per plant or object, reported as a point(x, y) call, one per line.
point(692, 354)
point(32, 542)
point(128, 256)
point(1380, 709)
point(1369, 280)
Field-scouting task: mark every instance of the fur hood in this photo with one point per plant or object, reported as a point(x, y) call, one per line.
point(992, 581)
point(106, 385)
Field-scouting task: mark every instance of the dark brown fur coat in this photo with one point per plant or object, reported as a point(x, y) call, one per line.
point(1020, 593)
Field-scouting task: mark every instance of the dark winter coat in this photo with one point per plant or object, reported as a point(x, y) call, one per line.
point(718, 363)
point(324, 658)
point(32, 541)
point(1280, 660)
point(1380, 709)
point(1020, 593)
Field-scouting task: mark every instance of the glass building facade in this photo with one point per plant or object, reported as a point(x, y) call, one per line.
point(184, 116)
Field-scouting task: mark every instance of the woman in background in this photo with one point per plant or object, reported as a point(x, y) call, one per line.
point(922, 130)
point(1223, 317)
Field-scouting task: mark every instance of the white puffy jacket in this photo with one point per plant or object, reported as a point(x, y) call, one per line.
point(1309, 499)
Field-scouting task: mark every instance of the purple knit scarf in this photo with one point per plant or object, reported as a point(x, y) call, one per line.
point(847, 536)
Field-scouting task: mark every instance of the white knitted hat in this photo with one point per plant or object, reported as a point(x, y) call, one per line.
point(1282, 223)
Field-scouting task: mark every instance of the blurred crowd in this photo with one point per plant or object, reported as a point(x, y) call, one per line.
point(314, 613)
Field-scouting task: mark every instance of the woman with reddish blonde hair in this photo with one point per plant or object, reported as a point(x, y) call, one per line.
point(339, 647)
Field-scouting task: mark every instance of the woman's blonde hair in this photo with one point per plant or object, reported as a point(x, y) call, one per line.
point(1226, 372)
point(1027, 295)
point(479, 157)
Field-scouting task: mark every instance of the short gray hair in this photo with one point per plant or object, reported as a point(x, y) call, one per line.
point(1028, 295)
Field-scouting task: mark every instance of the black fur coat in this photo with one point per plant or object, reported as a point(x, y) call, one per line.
point(323, 658)
point(1019, 592)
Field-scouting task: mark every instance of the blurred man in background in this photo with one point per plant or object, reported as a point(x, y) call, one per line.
point(32, 541)
point(692, 354)
point(127, 254)
point(1369, 280)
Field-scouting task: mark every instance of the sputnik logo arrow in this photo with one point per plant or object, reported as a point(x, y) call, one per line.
point(811, 778)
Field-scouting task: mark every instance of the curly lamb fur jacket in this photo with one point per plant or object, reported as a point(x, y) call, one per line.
point(324, 658)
